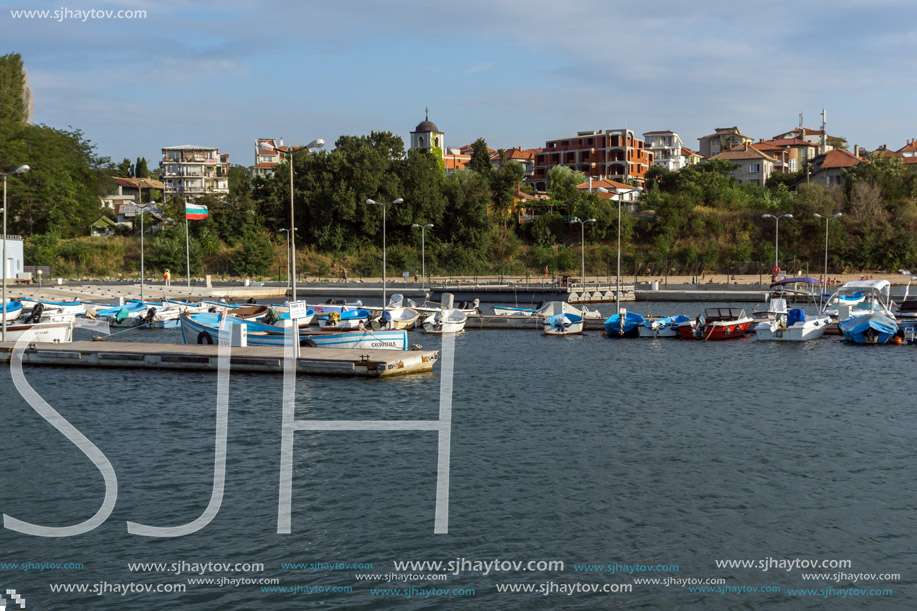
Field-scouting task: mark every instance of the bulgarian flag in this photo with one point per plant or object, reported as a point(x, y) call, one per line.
point(195, 212)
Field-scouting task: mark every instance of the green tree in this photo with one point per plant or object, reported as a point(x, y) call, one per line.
point(15, 94)
point(480, 157)
point(125, 169)
point(254, 256)
point(61, 191)
point(504, 185)
point(140, 169)
point(562, 182)
point(465, 222)
point(240, 181)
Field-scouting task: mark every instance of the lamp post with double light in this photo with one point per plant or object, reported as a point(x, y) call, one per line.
point(776, 236)
point(384, 208)
point(315, 144)
point(583, 249)
point(618, 197)
point(423, 256)
point(21, 169)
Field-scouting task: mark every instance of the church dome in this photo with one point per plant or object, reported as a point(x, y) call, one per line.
point(426, 126)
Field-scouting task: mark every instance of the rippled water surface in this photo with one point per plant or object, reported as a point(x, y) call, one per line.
point(580, 449)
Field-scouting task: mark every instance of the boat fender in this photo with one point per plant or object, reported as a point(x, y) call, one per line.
point(779, 334)
point(204, 338)
point(307, 343)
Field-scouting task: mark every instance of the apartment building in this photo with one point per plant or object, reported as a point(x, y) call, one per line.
point(193, 171)
point(666, 148)
point(269, 153)
point(615, 154)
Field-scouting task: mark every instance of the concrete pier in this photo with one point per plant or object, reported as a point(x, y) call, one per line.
point(259, 359)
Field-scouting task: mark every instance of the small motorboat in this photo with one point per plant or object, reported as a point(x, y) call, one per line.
point(445, 321)
point(870, 328)
point(13, 310)
point(859, 297)
point(790, 325)
point(508, 311)
point(623, 324)
point(662, 327)
point(336, 321)
point(563, 324)
point(716, 324)
point(396, 316)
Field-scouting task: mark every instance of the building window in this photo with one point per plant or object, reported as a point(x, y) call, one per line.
point(754, 168)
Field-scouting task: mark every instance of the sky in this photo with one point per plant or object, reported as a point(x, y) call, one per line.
point(515, 73)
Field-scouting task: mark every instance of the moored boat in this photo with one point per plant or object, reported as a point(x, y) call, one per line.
point(75, 307)
point(13, 310)
point(790, 325)
point(563, 324)
point(204, 328)
point(445, 321)
point(623, 324)
point(869, 328)
point(716, 324)
point(662, 327)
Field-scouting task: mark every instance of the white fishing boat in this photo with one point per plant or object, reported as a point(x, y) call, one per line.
point(205, 328)
point(563, 324)
point(75, 307)
point(790, 325)
point(35, 327)
point(447, 319)
point(396, 316)
point(662, 327)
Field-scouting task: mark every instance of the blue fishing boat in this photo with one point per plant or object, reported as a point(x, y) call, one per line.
point(121, 315)
point(870, 328)
point(623, 324)
point(204, 328)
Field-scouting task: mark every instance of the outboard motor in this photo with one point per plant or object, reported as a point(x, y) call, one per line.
point(147, 320)
point(35, 315)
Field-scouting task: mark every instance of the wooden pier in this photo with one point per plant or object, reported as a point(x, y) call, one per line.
point(260, 359)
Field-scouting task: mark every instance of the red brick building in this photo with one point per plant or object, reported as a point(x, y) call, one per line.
point(613, 154)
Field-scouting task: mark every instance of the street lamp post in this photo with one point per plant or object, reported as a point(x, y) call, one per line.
point(827, 219)
point(315, 144)
point(583, 251)
point(423, 256)
point(777, 235)
point(19, 170)
point(618, 197)
point(384, 207)
point(287, 231)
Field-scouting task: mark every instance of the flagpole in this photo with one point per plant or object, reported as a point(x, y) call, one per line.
point(187, 251)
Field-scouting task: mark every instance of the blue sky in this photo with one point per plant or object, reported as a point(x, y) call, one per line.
point(516, 73)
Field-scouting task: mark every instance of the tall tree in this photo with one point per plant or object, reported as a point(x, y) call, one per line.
point(504, 184)
point(140, 169)
point(125, 169)
point(562, 182)
point(480, 157)
point(15, 94)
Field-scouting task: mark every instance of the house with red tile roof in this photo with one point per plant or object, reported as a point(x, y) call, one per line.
point(909, 149)
point(791, 154)
point(755, 167)
point(829, 168)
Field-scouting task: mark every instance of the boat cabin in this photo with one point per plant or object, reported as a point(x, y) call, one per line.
point(718, 314)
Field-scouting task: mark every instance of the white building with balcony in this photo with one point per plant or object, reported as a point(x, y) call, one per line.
point(666, 148)
point(193, 171)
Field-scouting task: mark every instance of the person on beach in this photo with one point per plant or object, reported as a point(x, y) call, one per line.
point(167, 276)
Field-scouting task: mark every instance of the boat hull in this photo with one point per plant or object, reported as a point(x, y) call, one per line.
point(50, 332)
point(868, 329)
point(715, 331)
point(194, 332)
point(563, 324)
point(798, 332)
